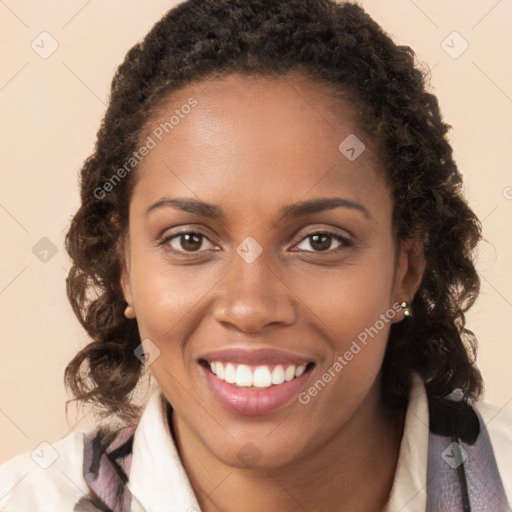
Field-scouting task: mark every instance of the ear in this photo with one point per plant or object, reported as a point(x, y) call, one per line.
point(123, 253)
point(410, 269)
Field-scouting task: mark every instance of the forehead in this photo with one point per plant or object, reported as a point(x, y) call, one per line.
point(268, 140)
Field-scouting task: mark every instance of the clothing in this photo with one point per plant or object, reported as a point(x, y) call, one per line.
point(158, 481)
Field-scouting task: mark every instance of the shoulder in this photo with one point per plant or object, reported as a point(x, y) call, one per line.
point(48, 478)
point(498, 422)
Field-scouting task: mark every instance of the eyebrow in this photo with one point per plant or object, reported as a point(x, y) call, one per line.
point(294, 210)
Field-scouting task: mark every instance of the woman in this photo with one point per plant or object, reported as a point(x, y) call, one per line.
point(272, 223)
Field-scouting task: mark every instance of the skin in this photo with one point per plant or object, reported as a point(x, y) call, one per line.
point(250, 158)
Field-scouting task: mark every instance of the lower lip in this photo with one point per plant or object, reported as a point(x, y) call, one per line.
point(253, 401)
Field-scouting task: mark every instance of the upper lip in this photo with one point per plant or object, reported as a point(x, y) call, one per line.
point(255, 356)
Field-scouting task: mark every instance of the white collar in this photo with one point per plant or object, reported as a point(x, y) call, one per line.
point(158, 480)
point(409, 491)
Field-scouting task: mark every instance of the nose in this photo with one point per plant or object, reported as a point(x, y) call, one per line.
point(253, 296)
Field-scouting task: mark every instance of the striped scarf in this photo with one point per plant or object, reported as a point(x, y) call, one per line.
point(462, 474)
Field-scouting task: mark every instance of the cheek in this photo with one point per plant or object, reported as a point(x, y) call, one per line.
point(170, 301)
point(351, 298)
point(350, 309)
point(166, 294)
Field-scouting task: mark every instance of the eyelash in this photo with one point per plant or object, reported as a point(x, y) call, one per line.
point(346, 243)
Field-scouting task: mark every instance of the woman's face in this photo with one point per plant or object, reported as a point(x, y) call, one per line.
point(277, 264)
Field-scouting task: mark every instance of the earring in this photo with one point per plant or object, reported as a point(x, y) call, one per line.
point(407, 310)
point(129, 312)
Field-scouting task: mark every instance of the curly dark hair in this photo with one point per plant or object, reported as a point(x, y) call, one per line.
point(335, 44)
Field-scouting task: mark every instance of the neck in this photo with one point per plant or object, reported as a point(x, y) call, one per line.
point(335, 477)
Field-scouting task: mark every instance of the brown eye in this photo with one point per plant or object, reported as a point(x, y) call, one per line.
point(186, 242)
point(321, 242)
point(191, 241)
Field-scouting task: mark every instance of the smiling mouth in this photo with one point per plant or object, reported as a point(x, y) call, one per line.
point(255, 376)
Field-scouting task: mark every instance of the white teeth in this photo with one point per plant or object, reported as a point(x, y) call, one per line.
point(243, 376)
point(262, 377)
point(300, 370)
point(259, 377)
point(219, 368)
point(289, 373)
point(278, 375)
point(230, 374)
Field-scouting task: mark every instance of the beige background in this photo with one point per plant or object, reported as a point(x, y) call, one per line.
point(51, 109)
